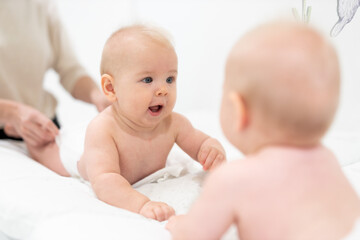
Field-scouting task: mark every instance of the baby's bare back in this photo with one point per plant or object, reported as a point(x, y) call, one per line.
point(294, 194)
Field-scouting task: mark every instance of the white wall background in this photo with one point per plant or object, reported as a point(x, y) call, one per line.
point(203, 31)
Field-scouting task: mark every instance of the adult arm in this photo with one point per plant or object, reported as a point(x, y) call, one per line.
point(73, 76)
point(85, 89)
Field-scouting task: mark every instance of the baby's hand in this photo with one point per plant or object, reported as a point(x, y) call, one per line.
point(211, 154)
point(157, 210)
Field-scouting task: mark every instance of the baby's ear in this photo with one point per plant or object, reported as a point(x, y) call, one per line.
point(107, 86)
point(240, 111)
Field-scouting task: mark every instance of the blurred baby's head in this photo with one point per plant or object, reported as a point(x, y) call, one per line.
point(138, 73)
point(283, 80)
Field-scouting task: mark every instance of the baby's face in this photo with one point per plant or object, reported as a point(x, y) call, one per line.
point(145, 83)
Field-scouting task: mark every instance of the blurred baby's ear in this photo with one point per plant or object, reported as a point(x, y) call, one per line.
point(240, 112)
point(107, 86)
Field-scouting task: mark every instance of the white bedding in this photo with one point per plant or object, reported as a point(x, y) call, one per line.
point(37, 204)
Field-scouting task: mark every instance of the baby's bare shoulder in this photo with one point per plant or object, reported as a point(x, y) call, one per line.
point(176, 122)
point(180, 122)
point(177, 118)
point(233, 172)
point(247, 173)
point(102, 123)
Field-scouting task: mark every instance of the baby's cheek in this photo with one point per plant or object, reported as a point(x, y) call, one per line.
point(172, 100)
point(137, 101)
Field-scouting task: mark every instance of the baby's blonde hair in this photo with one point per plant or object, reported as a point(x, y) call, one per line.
point(115, 40)
point(288, 75)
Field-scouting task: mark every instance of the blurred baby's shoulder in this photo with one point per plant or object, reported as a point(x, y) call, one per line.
point(233, 170)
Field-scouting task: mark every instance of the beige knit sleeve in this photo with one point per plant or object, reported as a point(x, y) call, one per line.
point(65, 61)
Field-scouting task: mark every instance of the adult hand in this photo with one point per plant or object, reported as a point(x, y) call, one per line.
point(157, 210)
point(11, 131)
point(33, 126)
point(99, 100)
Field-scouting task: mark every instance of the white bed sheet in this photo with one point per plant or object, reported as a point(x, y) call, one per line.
point(37, 204)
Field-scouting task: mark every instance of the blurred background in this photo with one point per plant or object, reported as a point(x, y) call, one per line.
point(203, 32)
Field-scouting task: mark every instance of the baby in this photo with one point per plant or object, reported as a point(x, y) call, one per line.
point(132, 138)
point(280, 95)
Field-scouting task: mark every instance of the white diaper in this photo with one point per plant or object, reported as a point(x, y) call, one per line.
point(71, 146)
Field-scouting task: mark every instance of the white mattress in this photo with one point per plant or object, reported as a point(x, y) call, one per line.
point(37, 204)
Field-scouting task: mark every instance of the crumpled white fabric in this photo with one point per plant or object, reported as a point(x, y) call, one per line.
point(37, 204)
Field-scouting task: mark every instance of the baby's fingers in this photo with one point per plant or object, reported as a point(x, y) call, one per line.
point(169, 212)
point(218, 161)
point(163, 213)
point(148, 213)
point(210, 159)
point(159, 213)
point(204, 152)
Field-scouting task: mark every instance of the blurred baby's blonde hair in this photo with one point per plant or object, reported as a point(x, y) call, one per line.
point(288, 74)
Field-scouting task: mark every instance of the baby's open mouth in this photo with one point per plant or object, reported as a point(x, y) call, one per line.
point(155, 108)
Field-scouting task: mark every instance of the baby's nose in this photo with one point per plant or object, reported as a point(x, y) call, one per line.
point(162, 91)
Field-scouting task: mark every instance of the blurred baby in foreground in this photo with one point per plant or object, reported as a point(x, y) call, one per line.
point(280, 96)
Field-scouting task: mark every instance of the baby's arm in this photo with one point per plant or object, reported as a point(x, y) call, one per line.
point(101, 160)
point(206, 150)
point(211, 215)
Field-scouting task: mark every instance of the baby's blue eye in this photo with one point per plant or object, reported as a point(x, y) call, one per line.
point(147, 80)
point(169, 79)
